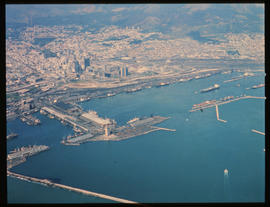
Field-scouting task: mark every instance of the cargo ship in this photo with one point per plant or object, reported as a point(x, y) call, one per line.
point(214, 87)
point(257, 86)
point(26, 151)
point(12, 135)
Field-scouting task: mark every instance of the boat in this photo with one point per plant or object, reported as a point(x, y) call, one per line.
point(214, 87)
point(24, 152)
point(12, 135)
point(163, 84)
point(226, 172)
point(133, 120)
point(111, 94)
point(257, 86)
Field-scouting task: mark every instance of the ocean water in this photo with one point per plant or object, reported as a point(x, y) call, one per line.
point(162, 166)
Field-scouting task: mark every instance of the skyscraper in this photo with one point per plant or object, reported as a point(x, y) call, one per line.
point(124, 71)
point(86, 62)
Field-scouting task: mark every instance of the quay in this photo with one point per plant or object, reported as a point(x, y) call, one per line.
point(67, 118)
point(135, 127)
point(78, 190)
point(258, 132)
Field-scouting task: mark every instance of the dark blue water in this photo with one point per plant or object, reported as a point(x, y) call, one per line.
point(183, 166)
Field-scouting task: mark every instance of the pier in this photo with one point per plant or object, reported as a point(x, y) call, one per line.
point(78, 190)
point(258, 132)
point(224, 102)
point(218, 115)
point(161, 128)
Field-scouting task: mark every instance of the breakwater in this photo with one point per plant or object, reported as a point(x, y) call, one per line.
point(78, 190)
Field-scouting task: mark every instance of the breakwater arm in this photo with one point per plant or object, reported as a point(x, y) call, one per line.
point(78, 190)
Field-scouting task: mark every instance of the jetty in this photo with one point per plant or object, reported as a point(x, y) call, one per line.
point(225, 100)
point(78, 190)
point(217, 113)
point(213, 103)
point(162, 128)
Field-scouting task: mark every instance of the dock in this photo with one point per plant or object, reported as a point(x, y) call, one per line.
point(78, 190)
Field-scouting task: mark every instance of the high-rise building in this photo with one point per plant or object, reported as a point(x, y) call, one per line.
point(124, 71)
point(86, 62)
point(78, 68)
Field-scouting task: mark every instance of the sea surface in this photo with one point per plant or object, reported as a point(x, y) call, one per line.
point(162, 166)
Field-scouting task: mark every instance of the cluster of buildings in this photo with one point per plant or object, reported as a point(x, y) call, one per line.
point(71, 53)
point(76, 54)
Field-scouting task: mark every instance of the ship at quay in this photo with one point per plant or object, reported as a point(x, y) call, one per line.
point(19, 155)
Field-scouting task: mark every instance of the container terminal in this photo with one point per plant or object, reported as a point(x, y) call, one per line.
point(19, 155)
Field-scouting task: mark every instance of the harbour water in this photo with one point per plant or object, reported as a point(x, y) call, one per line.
point(162, 166)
